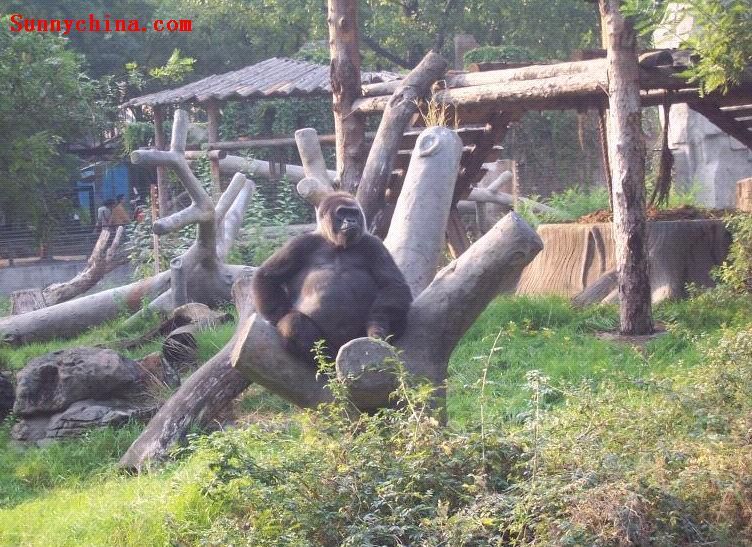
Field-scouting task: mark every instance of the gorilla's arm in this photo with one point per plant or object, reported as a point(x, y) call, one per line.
point(388, 312)
point(269, 282)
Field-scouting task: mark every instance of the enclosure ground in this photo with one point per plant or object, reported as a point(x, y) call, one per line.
point(642, 425)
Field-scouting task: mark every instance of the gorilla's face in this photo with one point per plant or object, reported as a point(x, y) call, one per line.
point(341, 219)
point(347, 223)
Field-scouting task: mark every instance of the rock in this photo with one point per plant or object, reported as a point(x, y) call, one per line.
point(64, 393)
point(53, 382)
point(7, 395)
point(83, 415)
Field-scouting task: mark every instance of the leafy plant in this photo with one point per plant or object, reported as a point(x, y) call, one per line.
point(736, 271)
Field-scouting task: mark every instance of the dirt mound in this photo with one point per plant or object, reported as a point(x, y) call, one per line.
point(685, 212)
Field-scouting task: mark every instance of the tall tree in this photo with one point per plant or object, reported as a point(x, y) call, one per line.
point(45, 101)
point(627, 155)
point(349, 127)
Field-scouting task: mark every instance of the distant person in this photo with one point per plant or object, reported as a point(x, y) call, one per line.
point(104, 214)
point(120, 215)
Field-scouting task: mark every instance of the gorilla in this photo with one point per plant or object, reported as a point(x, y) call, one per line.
point(336, 283)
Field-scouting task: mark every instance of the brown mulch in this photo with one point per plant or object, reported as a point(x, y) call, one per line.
point(685, 212)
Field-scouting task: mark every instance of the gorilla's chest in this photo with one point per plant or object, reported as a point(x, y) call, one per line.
point(335, 289)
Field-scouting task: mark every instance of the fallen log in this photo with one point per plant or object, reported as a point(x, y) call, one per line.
point(598, 291)
point(74, 316)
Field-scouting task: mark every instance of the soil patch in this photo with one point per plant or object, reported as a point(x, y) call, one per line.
point(685, 212)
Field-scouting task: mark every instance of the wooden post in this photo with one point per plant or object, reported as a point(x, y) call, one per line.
point(156, 195)
point(627, 155)
point(159, 144)
point(213, 116)
point(345, 78)
point(178, 283)
point(744, 195)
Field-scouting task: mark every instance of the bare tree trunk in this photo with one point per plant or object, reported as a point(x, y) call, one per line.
point(428, 186)
point(208, 279)
point(345, 78)
point(400, 108)
point(627, 156)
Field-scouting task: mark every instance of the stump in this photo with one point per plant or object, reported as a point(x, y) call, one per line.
point(744, 195)
point(576, 256)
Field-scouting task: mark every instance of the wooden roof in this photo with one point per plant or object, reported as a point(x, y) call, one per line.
point(275, 77)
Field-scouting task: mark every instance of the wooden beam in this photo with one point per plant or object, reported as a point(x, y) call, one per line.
point(725, 121)
point(159, 144)
point(213, 114)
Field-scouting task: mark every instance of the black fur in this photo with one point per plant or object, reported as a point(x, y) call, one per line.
point(336, 284)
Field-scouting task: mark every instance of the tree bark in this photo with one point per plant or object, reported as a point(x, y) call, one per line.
point(627, 156)
point(197, 402)
point(428, 186)
point(74, 316)
point(399, 109)
point(159, 144)
point(349, 127)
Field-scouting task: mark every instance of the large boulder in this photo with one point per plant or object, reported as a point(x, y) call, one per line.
point(6, 395)
point(66, 392)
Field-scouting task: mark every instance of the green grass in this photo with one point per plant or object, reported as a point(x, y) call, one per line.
point(658, 424)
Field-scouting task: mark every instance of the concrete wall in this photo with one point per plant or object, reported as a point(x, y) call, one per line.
point(43, 273)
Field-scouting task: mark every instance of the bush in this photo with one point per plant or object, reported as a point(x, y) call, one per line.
point(736, 271)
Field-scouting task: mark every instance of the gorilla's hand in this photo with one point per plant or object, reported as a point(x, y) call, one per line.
point(377, 331)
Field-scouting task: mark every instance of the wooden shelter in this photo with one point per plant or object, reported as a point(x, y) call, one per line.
point(272, 78)
point(481, 103)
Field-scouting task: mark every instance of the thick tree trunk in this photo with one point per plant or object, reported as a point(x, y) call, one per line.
point(349, 127)
point(199, 400)
point(399, 109)
point(428, 186)
point(627, 156)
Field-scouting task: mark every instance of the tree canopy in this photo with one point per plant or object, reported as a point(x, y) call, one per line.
point(45, 100)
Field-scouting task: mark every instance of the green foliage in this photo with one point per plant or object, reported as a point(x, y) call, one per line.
point(45, 101)
point(136, 135)
point(556, 437)
point(720, 36)
point(577, 201)
point(508, 54)
point(736, 271)
point(26, 473)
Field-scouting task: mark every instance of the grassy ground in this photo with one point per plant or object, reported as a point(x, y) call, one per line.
point(604, 430)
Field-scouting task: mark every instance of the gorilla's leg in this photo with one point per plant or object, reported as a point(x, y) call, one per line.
point(301, 334)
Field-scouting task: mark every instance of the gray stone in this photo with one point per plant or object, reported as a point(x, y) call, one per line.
point(52, 382)
point(7, 395)
point(64, 393)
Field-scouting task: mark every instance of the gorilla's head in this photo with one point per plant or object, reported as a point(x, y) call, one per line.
point(340, 219)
